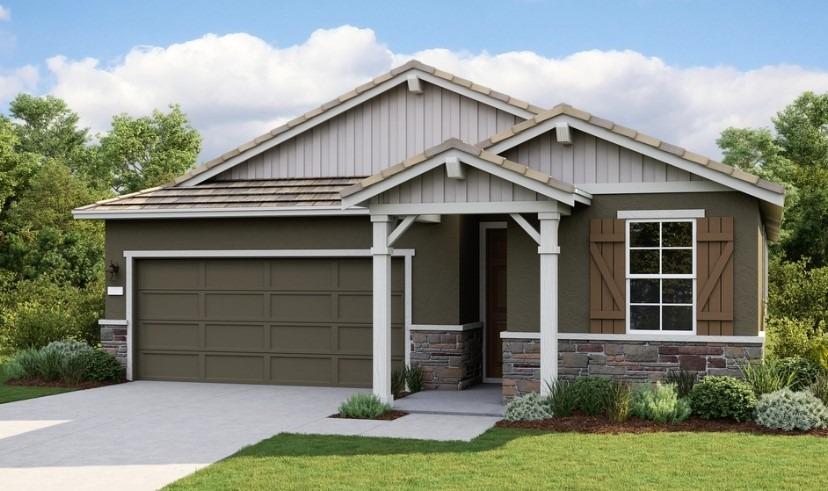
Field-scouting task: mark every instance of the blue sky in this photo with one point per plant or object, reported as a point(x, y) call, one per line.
point(680, 69)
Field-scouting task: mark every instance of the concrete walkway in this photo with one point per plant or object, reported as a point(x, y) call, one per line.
point(478, 400)
point(143, 435)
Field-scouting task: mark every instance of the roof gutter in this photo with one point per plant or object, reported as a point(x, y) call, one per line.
point(156, 213)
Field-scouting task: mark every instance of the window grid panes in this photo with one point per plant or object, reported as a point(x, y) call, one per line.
point(661, 275)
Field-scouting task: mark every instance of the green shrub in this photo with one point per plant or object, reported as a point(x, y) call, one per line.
point(363, 406)
point(819, 387)
point(804, 371)
point(618, 405)
point(29, 362)
point(683, 380)
point(563, 398)
point(787, 337)
point(397, 382)
point(659, 403)
point(99, 366)
point(818, 351)
point(788, 410)
point(766, 376)
point(68, 347)
point(528, 407)
point(37, 312)
point(723, 398)
point(414, 379)
point(11, 370)
point(593, 395)
point(796, 291)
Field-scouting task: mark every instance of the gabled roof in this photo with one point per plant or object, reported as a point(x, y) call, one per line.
point(279, 196)
point(341, 103)
point(419, 164)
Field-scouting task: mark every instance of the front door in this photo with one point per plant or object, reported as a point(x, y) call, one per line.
point(495, 300)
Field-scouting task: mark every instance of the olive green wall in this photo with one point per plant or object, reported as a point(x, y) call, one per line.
point(436, 265)
point(523, 262)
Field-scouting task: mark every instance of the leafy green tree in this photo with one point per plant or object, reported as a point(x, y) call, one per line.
point(16, 168)
point(148, 151)
point(47, 127)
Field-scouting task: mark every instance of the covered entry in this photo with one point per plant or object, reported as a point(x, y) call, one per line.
point(279, 320)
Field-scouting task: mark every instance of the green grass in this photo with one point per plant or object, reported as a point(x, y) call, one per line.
point(509, 459)
point(10, 393)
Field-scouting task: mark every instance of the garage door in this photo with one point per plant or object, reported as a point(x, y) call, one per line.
point(273, 321)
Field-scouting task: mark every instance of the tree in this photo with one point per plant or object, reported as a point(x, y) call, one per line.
point(16, 168)
point(795, 154)
point(148, 151)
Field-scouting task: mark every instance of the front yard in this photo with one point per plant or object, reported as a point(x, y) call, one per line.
point(510, 458)
point(10, 393)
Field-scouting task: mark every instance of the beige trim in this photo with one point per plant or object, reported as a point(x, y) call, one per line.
point(519, 335)
point(688, 338)
point(447, 327)
point(112, 322)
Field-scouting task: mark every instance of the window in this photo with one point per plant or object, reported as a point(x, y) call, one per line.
point(661, 280)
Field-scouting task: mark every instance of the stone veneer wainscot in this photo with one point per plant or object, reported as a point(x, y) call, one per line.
point(449, 359)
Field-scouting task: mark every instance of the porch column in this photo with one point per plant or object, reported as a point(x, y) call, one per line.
point(548, 251)
point(381, 256)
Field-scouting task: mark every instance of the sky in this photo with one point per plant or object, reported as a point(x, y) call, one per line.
point(681, 70)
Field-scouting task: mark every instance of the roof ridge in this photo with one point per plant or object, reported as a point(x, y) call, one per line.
point(412, 64)
point(681, 152)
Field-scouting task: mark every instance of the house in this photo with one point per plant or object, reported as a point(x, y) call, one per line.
point(425, 220)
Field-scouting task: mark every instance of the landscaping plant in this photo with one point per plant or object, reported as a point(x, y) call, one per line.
point(803, 370)
point(684, 381)
point(592, 395)
point(723, 398)
point(659, 403)
point(397, 382)
point(363, 406)
point(820, 387)
point(414, 379)
point(618, 405)
point(70, 362)
point(528, 407)
point(563, 398)
point(766, 376)
point(788, 410)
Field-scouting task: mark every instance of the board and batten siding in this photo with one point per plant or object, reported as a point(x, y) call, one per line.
point(592, 160)
point(377, 134)
point(476, 187)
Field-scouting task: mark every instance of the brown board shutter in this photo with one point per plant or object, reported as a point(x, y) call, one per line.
point(714, 273)
point(606, 276)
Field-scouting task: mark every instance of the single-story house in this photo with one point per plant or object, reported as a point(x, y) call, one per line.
point(425, 220)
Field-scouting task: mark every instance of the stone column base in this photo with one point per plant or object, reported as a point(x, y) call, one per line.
point(449, 359)
point(114, 340)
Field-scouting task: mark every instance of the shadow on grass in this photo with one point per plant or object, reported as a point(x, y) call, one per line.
point(296, 445)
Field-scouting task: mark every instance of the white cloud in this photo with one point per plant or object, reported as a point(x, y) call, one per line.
point(23, 79)
point(237, 86)
point(5, 13)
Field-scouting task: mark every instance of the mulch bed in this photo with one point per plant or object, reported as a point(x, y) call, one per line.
point(43, 383)
point(601, 425)
point(386, 416)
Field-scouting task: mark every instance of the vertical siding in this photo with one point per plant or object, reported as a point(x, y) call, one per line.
point(378, 134)
point(592, 160)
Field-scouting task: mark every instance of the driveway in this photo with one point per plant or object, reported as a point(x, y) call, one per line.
point(143, 435)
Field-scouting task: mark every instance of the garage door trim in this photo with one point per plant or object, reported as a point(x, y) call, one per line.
point(130, 257)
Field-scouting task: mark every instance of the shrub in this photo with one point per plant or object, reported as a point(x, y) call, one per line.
point(99, 366)
point(820, 387)
point(592, 395)
point(11, 370)
point(414, 379)
point(528, 407)
point(68, 347)
point(397, 382)
point(723, 398)
point(766, 376)
point(618, 405)
point(804, 371)
point(788, 410)
point(563, 398)
point(787, 337)
point(818, 351)
point(798, 292)
point(29, 361)
point(683, 380)
point(659, 403)
point(363, 406)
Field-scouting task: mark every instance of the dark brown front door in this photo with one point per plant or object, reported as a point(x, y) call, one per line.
point(495, 300)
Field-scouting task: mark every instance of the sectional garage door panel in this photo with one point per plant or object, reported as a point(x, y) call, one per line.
point(277, 321)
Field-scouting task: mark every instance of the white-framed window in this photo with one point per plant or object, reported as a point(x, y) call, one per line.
point(661, 275)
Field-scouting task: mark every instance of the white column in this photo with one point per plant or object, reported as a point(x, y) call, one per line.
point(381, 255)
point(548, 251)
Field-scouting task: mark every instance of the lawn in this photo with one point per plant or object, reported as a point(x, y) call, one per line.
point(9, 393)
point(509, 458)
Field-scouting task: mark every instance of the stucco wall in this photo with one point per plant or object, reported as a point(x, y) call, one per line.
point(436, 266)
point(523, 262)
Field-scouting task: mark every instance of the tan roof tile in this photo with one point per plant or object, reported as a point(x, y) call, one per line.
point(675, 150)
point(514, 166)
point(623, 130)
point(694, 157)
point(647, 139)
point(720, 167)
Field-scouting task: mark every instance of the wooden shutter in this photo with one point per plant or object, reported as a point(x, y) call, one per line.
point(607, 287)
point(714, 272)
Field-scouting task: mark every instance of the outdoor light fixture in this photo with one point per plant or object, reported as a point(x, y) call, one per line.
point(112, 269)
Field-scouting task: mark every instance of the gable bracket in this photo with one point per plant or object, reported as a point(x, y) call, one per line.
point(526, 226)
point(400, 229)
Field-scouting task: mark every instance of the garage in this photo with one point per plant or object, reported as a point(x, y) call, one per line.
point(302, 321)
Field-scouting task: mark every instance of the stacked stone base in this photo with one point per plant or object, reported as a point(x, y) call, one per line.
point(632, 361)
point(449, 359)
point(114, 341)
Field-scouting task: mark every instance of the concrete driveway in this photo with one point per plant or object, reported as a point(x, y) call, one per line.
point(143, 435)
